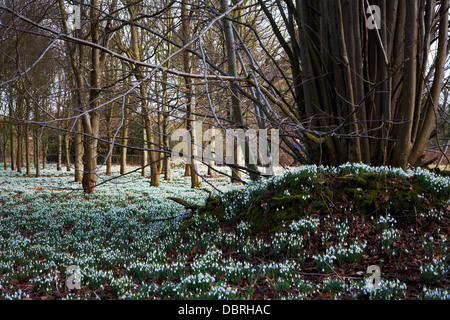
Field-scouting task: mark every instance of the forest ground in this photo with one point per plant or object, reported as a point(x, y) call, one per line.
point(308, 233)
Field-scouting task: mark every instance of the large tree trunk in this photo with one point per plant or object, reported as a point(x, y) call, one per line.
point(367, 87)
point(90, 142)
point(135, 51)
point(37, 165)
point(89, 102)
point(354, 150)
point(166, 142)
point(5, 165)
point(67, 150)
point(44, 153)
point(19, 149)
point(154, 170)
point(123, 150)
point(144, 152)
point(432, 102)
point(91, 120)
point(191, 125)
point(12, 146)
point(78, 162)
point(79, 101)
point(27, 150)
point(406, 111)
point(59, 164)
point(237, 116)
point(110, 146)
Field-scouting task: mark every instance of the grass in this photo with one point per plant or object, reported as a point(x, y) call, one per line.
point(308, 233)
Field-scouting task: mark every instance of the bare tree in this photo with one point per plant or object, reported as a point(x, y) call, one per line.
point(363, 92)
point(342, 81)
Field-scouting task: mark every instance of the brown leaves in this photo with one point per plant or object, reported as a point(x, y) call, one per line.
point(384, 198)
point(196, 250)
point(260, 292)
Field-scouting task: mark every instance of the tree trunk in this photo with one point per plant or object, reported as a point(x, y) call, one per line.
point(237, 116)
point(44, 153)
point(144, 152)
point(166, 142)
point(123, 150)
point(59, 164)
point(5, 165)
point(27, 150)
point(372, 84)
point(191, 124)
point(154, 173)
point(406, 111)
point(110, 147)
point(37, 165)
point(19, 149)
point(67, 150)
point(354, 151)
point(91, 120)
point(432, 101)
point(90, 142)
point(78, 152)
point(88, 103)
point(12, 146)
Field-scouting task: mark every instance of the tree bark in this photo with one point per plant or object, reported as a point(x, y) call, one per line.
point(90, 141)
point(355, 146)
point(59, 164)
point(144, 152)
point(27, 150)
point(110, 146)
point(123, 150)
point(406, 111)
point(432, 101)
point(237, 116)
point(91, 120)
point(19, 149)
point(37, 165)
point(12, 144)
point(78, 163)
point(44, 154)
point(67, 150)
point(191, 124)
point(154, 173)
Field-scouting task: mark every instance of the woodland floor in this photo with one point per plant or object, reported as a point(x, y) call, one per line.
point(308, 233)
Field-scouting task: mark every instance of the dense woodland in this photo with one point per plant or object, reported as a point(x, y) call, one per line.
point(340, 81)
point(350, 200)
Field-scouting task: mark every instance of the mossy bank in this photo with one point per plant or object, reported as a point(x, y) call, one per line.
point(357, 190)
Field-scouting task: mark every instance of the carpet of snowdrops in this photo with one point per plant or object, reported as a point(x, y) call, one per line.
point(126, 245)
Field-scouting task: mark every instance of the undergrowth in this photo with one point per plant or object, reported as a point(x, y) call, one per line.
point(308, 233)
point(359, 191)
